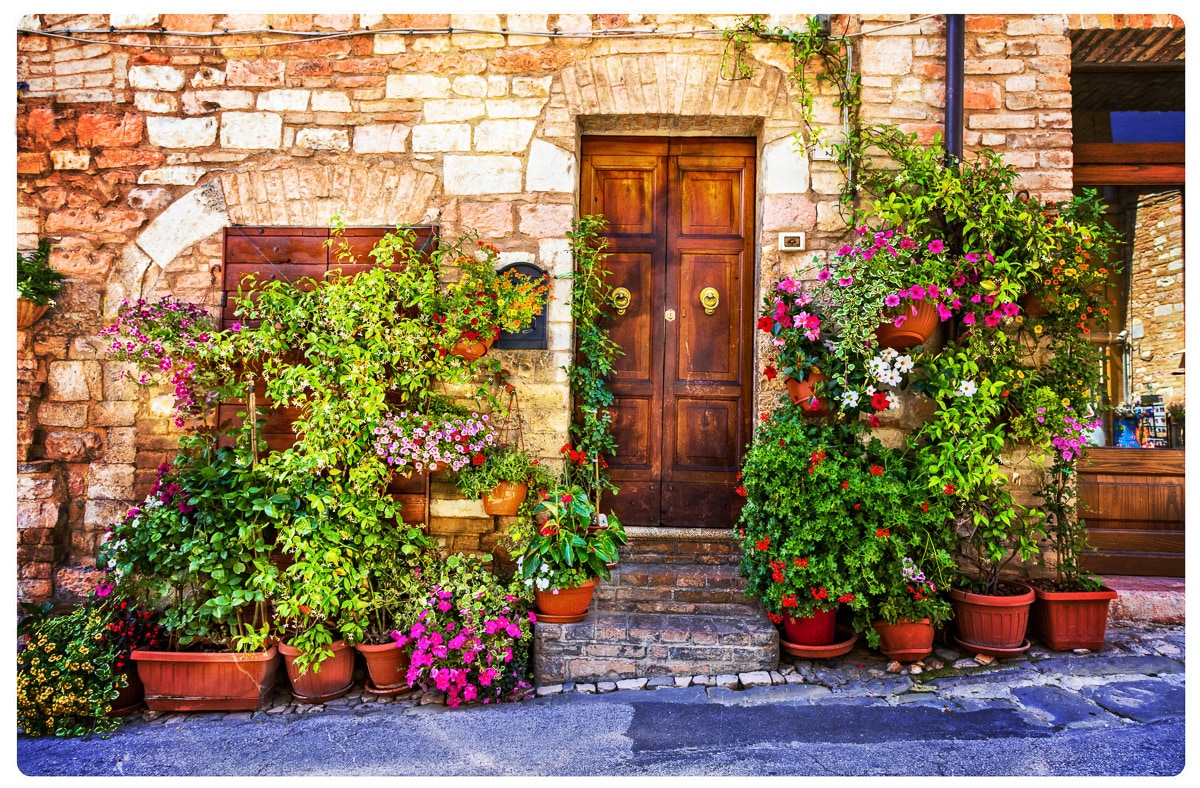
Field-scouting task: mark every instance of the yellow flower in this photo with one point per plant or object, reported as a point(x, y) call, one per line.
point(1037, 329)
point(1066, 402)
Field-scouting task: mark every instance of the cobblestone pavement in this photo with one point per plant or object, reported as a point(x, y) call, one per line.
point(1063, 688)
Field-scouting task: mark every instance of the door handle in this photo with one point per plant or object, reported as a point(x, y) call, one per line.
point(710, 299)
point(621, 299)
point(670, 315)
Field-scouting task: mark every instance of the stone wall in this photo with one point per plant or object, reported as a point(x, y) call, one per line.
point(137, 148)
point(1156, 296)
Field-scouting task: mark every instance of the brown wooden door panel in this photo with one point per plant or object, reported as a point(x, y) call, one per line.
point(1122, 539)
point(1118, 500)
point(679, 215)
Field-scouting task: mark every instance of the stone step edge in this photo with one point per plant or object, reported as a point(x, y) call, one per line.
point(662, 533)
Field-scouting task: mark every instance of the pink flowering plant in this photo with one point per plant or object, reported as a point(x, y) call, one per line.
point(411, 442)
point(470, 635)
point(174, 342)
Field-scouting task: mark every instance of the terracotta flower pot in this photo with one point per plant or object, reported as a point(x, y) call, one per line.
point(915, 329)
point(566, 605)
point(992, 622)
point(472, 350)
point(505, 498)
point(200, 681)
point(1066, 620)
point(131, 697)
point(905, 641)
point(29, 312)
point(815, 630)
point(331, 679)
point(802, 392)
point(387, 664)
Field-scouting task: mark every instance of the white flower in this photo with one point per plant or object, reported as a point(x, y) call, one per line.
point(870, 391)
point(893, 402)
point(966, 388)
point(849, 398)
point(892, 378)
point(904, 363)
point(543, 583)
point(888, 354)
point(878, 366)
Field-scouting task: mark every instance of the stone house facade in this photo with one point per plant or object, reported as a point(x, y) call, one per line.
point(142, 137)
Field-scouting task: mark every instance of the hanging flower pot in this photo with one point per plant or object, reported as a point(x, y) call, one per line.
point(993, 624)
point(29, 312)
point(472, 350)
point(914, 329)
point(565, 605)
point(505, 498)
point(815, 630)
point(803, 393)
point(331, 679)
point(905, 641)
point(387, 665)
point(1066, 620)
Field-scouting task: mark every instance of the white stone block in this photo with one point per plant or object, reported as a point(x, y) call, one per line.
point(155, 103)
point(515, 108)
point(389, 44)
point(284, 100)
point(554, 254)
point(531, 87)
point(510, 136)
point(417, 86)
point(193, 218)
point(323, 139)
point(70, 159)
point(133, 21)
point(380, 138)
point(470, 85)
point(181, 132)
point(497, 85)
point(451, 110)
point(208, 78)
point(441, 137)
point(482, 174)
point(203, 102)
point(471, 507)
point(551, 169)
point(785, 168)
point(487, 26)
point(172, 176)
point(155, 78)
point(527, 23)
point(251, 130)
point(330, 101)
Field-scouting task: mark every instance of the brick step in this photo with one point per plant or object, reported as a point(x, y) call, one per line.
point(671, 588)
point(607, 646)
point(708, 546)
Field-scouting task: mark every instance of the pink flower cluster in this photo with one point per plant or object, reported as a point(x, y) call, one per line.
point(1070, 444)
point(160, 338)
point(465, 651)
point(410, 440)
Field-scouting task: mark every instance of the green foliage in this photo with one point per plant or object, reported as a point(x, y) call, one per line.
point(37, 281)
point(1068, 532)
point(595, 353)
point(502, 463)
point(200, 541)
point(829, 518)
point(569, 545)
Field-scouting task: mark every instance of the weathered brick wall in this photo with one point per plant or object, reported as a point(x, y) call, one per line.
point(1156, 295)
point(136, 152)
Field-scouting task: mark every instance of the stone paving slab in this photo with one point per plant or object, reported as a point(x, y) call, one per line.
point(1062, 707)
point(755, 696)
point(1142, 701)
point(1112, 666)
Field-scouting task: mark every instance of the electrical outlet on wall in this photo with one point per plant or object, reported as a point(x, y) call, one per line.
point(823, 153)
point(791, 242)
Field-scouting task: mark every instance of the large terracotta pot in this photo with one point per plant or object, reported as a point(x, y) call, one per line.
point(905, 641)
point(802, 392)
point(29, 312)
point(387, 665)
point(566, 606)
point(915, 329)
point(505, 498)
point(1066, 620)
point(331, 679)
point(472, 350)
point(199, 681)
point(992, 622)
point(815, 630)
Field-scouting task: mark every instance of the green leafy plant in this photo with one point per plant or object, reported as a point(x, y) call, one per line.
point(595, 353)
point(568, 544)
point(37, 280)
point(1066, 530)
point(502, 463)
point(200, 542)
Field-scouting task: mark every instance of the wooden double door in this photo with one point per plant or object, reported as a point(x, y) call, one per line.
point(680, 231)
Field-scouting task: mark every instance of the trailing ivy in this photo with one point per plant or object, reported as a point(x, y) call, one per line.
point(595, 352)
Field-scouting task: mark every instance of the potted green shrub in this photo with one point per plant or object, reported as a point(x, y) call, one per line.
point(200, 542)
point(566, 551)
point(1070, 611)
point(37, 284)
point(501, 475)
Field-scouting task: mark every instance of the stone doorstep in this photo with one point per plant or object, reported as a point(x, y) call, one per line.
point(1151, 600)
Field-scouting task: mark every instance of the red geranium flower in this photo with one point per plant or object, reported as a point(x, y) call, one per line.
point(770, 372)
point(566, 447)
point(800, 562)
point(775, 619)
point(846, 598)
point(741, 490)
point(789, 600)
point(876, 470)
point(764, 416)
point(925, 506)
point(763, 544)
point(845, 485)
point(478, 459)
point(882, 533)
point(819, 593)
point(948, 489)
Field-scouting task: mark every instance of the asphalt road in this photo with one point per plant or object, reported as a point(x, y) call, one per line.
point(667, 732)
